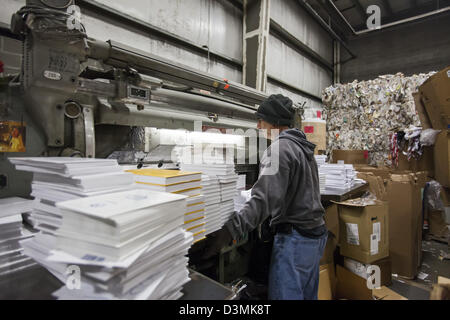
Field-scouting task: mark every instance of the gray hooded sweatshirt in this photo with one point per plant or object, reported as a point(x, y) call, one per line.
point(287, 188)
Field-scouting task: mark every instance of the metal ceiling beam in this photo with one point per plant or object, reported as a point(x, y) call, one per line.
point(332, 17)
point(348, 8)
point(325, 26)
point(409, 20)
point(360, 10)
point(237, 4)
point(410, 15)
point(407, 16)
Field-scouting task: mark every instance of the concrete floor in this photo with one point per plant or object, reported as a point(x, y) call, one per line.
point(432, 267)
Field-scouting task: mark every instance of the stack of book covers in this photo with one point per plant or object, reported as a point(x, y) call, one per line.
point(122, 242)
point(211, 192)
point(219, 188)
point(62, 179)
point(125, 245)
point(12, 259)
point(182, 183)
point(337, 177)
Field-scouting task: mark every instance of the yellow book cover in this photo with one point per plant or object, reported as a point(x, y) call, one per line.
point(165, 177)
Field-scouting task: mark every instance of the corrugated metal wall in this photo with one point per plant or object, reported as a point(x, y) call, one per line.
point(289, 65)
point(216, 24)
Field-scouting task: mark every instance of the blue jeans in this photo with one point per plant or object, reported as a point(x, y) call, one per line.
point(294, 268)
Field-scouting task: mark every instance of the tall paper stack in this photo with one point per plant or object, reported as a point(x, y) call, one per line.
point(228, 191)
point(62, 179)
point(128, 245)
point(338, 177)
point(182, 183)
point(211, 192)
point(219, 179)
point(320, 159)
point(12, 259)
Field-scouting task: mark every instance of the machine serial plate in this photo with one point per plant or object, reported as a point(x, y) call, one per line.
point(138, 93)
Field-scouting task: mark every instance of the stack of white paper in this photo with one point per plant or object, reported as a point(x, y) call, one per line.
point(338, 177)
point(320, 159)
point(322, 181)
point(129, 245)
point(183, 183)
point(98, 243)
point(228, 191)
point(12, 232)
point(219, 186)
point(211, 192)
point(62, 179)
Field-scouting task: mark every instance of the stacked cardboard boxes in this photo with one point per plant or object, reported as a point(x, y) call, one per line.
point(364, 230)
point(403, 192)
point(316, 132)
point(399, 206)
point(435, 99)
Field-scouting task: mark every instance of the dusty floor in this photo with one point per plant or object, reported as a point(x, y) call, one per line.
point(432, 267)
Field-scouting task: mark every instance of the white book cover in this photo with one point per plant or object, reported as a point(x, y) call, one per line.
point(62, 163)
point(14, 206)
point(92, 182)
point(110, 205)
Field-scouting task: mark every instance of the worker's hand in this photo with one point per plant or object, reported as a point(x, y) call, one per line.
point(216, 242)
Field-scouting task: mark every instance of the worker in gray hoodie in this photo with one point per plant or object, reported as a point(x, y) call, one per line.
point(288, 192)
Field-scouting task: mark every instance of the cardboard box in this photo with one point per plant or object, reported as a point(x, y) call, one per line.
point(445, 196)
point(441, 290)
point(405, 223)
point(420, 108)
point(382, 172)
point(385, 293)
point(438, 224)
point(326, 282)
point(360, 269)
point(316, 132)
point(332, 220)
point(364, 231)
point(350, 286)
point(442, 158)
point(425, 163)
point(435, 94)
point(376, 184)
point(351, 156)
point(328, 253)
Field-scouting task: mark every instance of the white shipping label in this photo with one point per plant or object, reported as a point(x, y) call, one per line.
point(373, 244)
point(377, 230)
point(352, 233)
point(448, 73)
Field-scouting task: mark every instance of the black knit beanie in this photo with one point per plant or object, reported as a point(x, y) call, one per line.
point(276, 110)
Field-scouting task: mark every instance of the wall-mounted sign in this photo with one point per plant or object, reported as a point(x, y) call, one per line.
point(12, 136)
